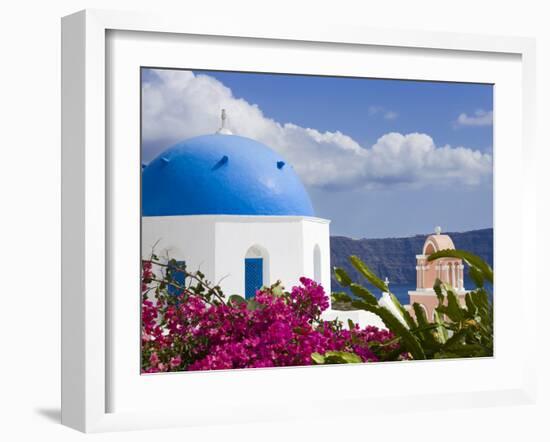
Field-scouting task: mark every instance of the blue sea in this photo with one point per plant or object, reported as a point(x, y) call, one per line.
point(401, 292)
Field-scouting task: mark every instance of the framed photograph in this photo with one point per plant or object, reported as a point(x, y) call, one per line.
point(275, 223)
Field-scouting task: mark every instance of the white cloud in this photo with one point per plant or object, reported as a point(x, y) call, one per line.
point(479, 118)
point(385, 113)
point(374, 110)
point(180, 104)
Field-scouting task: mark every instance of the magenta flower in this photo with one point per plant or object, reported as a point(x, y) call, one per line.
point(175, 362)
point(154, 359)
point(187, 333)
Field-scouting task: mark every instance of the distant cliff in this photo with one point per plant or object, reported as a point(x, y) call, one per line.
point(395, 257)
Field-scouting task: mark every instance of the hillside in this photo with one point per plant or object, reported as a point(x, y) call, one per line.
point(395, 257)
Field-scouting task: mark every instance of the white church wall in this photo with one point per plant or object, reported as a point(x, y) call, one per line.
point(184, 238)
point(316, 233)
point(218, 245)
point(280, 237)
point(361, 317)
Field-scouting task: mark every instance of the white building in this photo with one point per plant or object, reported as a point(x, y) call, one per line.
point(233, 208)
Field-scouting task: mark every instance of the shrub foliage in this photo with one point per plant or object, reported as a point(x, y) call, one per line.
point(456, 331)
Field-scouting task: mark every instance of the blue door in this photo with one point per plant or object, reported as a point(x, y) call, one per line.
point(178, 277)
point(253, 276)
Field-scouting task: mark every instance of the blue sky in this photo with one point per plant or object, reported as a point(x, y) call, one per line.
point(357, 106)
point(392, 157)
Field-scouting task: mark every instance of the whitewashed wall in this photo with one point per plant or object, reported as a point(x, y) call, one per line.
point(217, 245)
point(188, 239)
point(316, 232)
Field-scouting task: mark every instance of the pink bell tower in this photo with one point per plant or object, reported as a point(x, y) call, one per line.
point(448, 270)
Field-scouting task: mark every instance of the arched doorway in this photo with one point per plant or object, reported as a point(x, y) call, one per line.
point(317, 263)
point(256, 270)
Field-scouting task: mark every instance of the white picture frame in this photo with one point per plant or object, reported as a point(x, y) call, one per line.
point(87, 229)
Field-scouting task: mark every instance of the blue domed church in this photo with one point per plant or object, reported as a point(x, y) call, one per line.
point(235, 209)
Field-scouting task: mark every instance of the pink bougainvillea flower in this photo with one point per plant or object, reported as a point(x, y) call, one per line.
point(154, 359)
point(185, 332)
point(175, 362)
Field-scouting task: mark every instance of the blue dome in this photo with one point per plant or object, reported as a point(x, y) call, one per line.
point(222, 175)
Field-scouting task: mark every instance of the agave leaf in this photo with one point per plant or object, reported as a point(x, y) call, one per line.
point(410, 342)
point(425, 329)
point(471, 259)
point(470, 350)
point(454, 311)
point(363, 293)
point(480, 299)
point(406, 315)
point(441, 331)
point(368, 273)
point(438, 290)
point(456, 340)
point(476, 276)
point(420, 315)
point(472, 309)
point(342, 277)
point(340, 297)
point(360, 305)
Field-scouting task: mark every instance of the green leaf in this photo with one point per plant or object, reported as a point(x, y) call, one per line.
point(363, 293)
point(340, 297)
point(277, 289)
point(342, 357)
point(438, 291)
point(342, 277)
point(456, 340)
point(396, 326)
point(470, 351)
point(319, 359)
point(472, 309)
point(476, 276)
point(471, 259)
point(252, 304)
point(454, 311)
point(236, 299)
point(404, 312)
point(441, 331)
point(425, 329)
point(368, 273)
point(480, 299)
point(392, 355)
point(420, 314)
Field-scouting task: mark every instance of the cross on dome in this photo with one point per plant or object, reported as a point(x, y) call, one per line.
point(223, 130)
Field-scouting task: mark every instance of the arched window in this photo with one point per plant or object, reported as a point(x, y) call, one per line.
point(317, 263)
point(429, 248)
point(256, 273)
